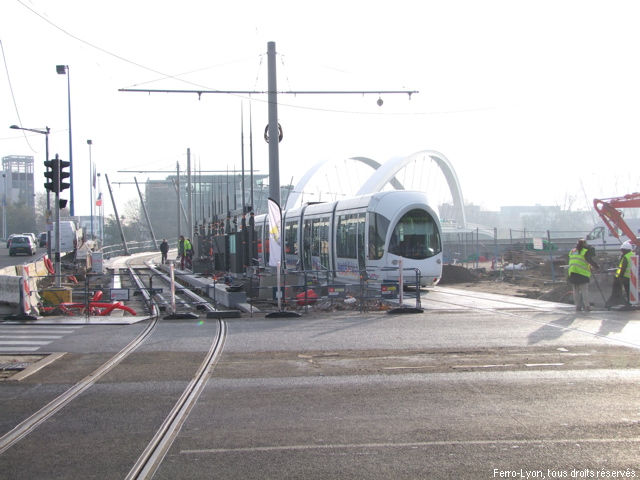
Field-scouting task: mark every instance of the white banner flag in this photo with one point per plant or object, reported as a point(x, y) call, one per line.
point(275, 246)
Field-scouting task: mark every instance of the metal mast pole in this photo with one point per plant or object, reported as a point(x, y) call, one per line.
point(71, 201)
point(274, 161)
point(242, 153)
point(251, 159)
point(146, 215)
point(179, 200)
point(4, 206)
point(189, 195)
point(115, 211)
point(57, 269)
point(91, 174)
point(180, 205)
point(49, 226)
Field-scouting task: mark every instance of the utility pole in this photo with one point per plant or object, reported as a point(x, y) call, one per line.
point(242, 155)
point(178, 193)
point(115, 211)
point(146, 215)
point(189, 195)
point(274, 159)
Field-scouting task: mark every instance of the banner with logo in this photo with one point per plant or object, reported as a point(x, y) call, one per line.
point(275, 239)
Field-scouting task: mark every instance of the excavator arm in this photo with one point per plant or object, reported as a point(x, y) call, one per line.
point(607, 208)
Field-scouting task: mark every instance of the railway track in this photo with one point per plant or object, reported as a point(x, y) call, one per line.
point(151, 456)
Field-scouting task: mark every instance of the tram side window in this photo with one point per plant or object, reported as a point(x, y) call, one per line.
point(415, 236)
point(350, 236)
point(346, 233)
point(307, 244)
point(378, 226)
point(291, 238)
point(259, 239)
point(321, 240)
point(360, 245)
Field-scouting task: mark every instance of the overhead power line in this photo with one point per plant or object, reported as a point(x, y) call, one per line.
point(13, 97)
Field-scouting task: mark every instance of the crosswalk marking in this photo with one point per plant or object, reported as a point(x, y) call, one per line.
point(30, 338)
point(36, 337)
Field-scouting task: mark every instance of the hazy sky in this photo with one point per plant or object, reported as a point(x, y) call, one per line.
point(534, 102)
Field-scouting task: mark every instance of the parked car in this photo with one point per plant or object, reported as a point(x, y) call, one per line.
point(22, 244)
point(43, 239)
point(9, 239)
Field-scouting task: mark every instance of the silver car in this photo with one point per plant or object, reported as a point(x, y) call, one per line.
point(22, 244)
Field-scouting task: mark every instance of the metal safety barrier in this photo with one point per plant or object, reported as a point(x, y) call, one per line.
point(300, 290)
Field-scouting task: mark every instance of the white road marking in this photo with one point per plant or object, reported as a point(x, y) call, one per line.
point(343, 446)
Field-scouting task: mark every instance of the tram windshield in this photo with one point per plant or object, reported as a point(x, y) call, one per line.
point(415, 236)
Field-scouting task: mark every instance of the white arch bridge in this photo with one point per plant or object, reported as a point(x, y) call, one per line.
point(384, 176)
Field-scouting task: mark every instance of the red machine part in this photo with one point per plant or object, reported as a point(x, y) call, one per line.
point(607, 208)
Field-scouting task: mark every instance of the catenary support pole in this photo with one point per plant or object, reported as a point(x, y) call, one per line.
point(179, 206)
point(274, 161)
point(146, 215)
point(189, 196)
point(115, 211)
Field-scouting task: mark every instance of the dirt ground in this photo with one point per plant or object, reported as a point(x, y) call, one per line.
point(532, 282)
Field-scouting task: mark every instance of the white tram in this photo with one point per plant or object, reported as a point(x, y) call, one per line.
point(369, 233)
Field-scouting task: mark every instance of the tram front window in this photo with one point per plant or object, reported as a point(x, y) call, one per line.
point(415, 236)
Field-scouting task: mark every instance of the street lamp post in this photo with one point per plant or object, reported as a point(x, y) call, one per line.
point(62, 70)
point(4, 206)
point(100, 211)
point(91, 185)
point(44, 132)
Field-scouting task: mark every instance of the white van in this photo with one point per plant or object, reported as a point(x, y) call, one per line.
point(69, 240)
point(602, 239)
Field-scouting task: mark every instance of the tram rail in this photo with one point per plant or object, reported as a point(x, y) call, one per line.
point(152, 456)
point(28, 425)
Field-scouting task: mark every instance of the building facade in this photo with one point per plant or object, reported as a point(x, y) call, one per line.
point(17, 180)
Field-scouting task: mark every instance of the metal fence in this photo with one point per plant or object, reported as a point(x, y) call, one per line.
point(301, 290)
point(117, 250)
point(515, 246)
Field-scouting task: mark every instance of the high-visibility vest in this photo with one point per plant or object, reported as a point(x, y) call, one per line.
point(578, 263)
point(627, 272)
point(187, 246)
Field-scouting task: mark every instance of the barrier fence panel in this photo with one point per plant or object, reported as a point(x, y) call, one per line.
point(302, 289)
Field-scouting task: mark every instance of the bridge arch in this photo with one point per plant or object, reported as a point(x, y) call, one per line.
point(296, 194)
point(386, 173)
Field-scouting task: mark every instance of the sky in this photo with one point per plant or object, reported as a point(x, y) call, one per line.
point(532, 102)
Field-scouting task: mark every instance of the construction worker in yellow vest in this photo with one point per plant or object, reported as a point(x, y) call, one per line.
point(623, 276)
point(581, 260)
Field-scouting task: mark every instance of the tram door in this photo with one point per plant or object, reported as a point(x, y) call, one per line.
point(315, 239)
point(350, 244)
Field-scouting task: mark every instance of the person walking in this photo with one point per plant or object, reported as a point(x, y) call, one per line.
point(188, 253)
point(622, 277)
point(164, 249)
point(581, 260)
point(181, 251)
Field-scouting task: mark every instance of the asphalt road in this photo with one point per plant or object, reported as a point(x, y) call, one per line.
point(472, 388)
point(6, 260)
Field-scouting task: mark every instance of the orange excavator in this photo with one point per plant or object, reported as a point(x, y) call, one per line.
point(607, 208)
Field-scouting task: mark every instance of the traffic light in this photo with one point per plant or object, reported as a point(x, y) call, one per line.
point(63, 174)
point(53, 175)
point(62, 203)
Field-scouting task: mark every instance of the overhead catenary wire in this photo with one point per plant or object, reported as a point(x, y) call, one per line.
point(13, 97)
point(249, 93)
